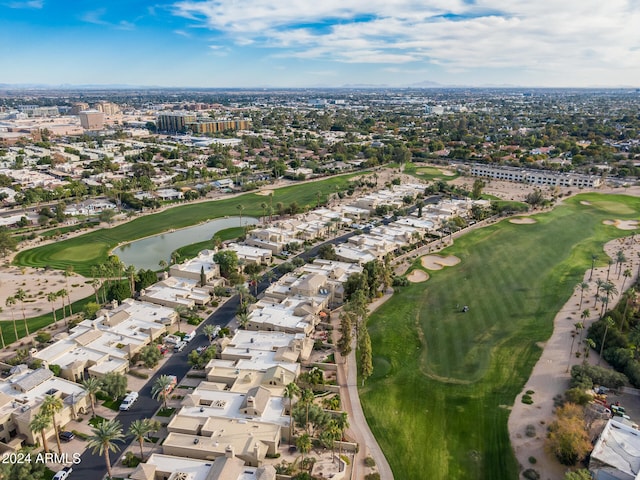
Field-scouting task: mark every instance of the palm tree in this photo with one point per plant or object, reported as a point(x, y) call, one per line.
point(593, 261)
point(343, 423)
point(50, 406)
point(68, 272)
point(582, 286)
point(620, 259)
point(160, 388)
point(588, 343)
point(290, 391)
point(303, 443)
point(163, 264)
point(243, 319)
point(306, 397)
point(95, 283)
point(22, 295)
point(608, 322)
point(263, 205)
point(51, 297)
point(131, 274)
point(216, 241)
point(209, 330)
point(92, 385)
point(255, 279)
point(181, 310)
point(40, 423)
point(2, 333)
point(10, 302)
point(610, 262)
point(626, 274)
point(330, 434)
point(599, 284)
point(630, 301)
point(105, 434)
point(139, 430)
point(240, 208)
point(61, 294)
point(242, 290)
point(578, 327)
point(609, 290)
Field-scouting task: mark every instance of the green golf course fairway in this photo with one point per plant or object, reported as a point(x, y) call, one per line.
point(438, 400)
point(93, 248)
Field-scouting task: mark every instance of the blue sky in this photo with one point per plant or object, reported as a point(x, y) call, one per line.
point(309, 43)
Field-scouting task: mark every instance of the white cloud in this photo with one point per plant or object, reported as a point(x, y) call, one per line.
point(35, 4)
point(566, 37)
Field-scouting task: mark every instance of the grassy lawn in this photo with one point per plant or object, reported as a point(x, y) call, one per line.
point(443, 380)
point(93, 248)
point(191, 251)
point(165, 412)
point(97, 420)
point(428, 173)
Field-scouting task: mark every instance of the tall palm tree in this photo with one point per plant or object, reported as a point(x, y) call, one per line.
point(61, 294)
point(95, 283)
point(2, 333)
point(306, 397)
point(608, 322)
point(303, 443)
point(160, 388)
point(240, 208)
point(599, 283)
point(243, 319)
point(92, 385)
point(50, 406)
point(588, 344)
point(342, 420)
point(131, 274)
point(578, 327)
point(105, 434)
point(330, 434)
point(620, 259)
point(51, 298)
point(626, 274)
point(629, 302)
point(10, 302)
point(68, 272)
point(609, 290)
point(263, 205)
point(163, 264)
point(181, 310)
point(582, 286)
point(41, 423)
point(139, 430)
point(209, 330)
point(22, 296)
point(290, 391)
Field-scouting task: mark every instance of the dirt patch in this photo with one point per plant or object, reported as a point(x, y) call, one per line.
point(447, 173)
point(418, 276)
point(37, 284)
point(523, 221)
point(437, 262)
point(264, 193)
point(622, 224)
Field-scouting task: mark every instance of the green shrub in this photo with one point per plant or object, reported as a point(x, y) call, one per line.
point(137, 374)
point(533, 460)
point(372, 476)
point(531, 474)
point(526, 398)
point(370, 462)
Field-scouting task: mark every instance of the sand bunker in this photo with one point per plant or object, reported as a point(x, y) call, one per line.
point(584, 202)
point(622, 224)
point(522, 221)
point(264, 193)
point(447, 173)
point(418, 276)
point(437, 262)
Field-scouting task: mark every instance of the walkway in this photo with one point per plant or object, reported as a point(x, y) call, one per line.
point(359, 428)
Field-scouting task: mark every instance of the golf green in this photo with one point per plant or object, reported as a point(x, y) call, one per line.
point(443, 381)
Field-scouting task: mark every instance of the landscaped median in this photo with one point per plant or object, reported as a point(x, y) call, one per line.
point(438, 401)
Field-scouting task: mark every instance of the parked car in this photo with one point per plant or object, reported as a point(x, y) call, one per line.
point(172, 339)
point(63, 474)
point(67, 436)
point(178, 347)
point(189, 336)
point(128, 401)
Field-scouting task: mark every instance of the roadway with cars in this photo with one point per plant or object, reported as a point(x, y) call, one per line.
point(93, 465)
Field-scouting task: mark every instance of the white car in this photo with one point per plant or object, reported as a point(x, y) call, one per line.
point(63, 474)
point(128, 401)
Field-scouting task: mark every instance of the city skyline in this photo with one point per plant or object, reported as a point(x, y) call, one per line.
point(256, 43)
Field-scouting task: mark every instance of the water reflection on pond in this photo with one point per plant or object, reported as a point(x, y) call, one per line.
point(148, 252)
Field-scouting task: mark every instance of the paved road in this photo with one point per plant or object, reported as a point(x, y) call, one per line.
point(93, 466)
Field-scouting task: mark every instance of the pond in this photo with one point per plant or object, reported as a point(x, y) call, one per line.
point(148, 252)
